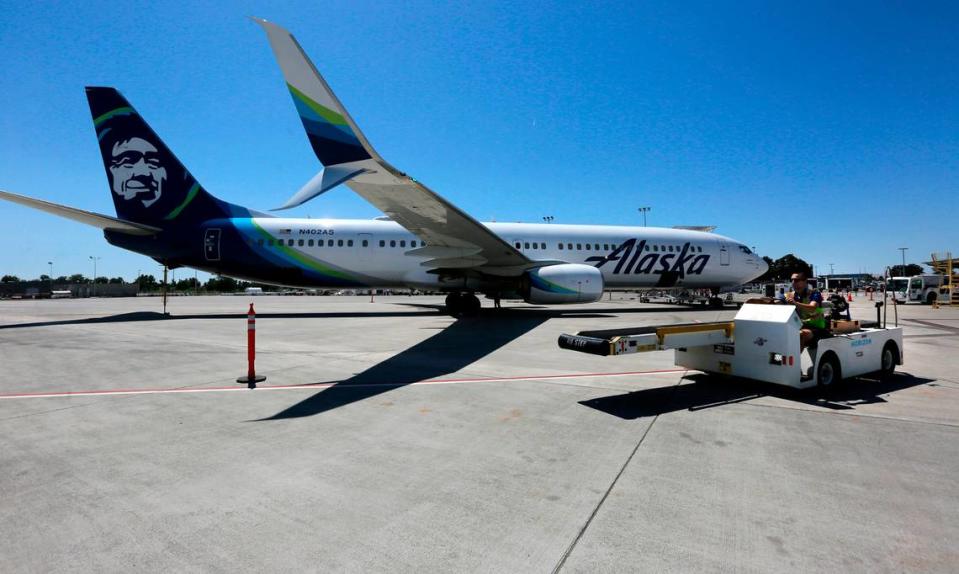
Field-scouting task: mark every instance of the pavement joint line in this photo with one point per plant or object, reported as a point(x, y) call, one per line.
point(582, 386)
point(308, 386)
point(582, 531)
point(46, 412)
point(856, 413)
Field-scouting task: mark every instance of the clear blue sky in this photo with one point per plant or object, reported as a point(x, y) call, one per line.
point(826, 129)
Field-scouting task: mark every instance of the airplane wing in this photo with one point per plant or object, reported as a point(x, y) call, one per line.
point(104, 222)
point(454, 239)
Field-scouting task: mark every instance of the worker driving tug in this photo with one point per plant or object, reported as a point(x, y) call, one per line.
point(808, 304)
point(763, 342)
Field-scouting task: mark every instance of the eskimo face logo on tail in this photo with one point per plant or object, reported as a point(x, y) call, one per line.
point(635, 259)
point(136, 170)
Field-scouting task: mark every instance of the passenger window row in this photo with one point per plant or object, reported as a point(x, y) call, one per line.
point(333, 243)
point(528, 245)
point(677, 249)
point(402, 243)
point(519, 245)
point(604, 247)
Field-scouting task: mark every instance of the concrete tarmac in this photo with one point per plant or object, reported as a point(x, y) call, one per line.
point(391, 437)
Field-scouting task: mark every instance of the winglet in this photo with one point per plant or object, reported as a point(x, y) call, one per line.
point(332, 132)
point(328, 178)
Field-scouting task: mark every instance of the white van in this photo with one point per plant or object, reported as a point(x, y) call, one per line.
point(927, 289)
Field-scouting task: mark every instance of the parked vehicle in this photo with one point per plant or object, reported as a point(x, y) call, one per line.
point(927, 289)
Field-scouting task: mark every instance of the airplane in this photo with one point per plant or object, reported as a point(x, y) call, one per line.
point(423, 241)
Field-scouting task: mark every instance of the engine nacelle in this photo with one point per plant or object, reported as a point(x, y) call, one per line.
point(564, 283)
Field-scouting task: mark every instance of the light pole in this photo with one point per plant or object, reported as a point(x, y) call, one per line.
point(831, 270)
point(644, 211)
point(95, 259)
point(548, 218)
point(903, 250)
point(50, 263)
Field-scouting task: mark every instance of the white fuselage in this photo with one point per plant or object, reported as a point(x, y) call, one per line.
point(377, 252)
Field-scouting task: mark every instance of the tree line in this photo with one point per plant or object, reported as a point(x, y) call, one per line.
point(149, 283)
point(75, 278)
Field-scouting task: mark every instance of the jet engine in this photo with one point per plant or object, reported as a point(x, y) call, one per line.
point(563, 283)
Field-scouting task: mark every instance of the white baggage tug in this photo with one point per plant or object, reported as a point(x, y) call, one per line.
point(761, 343)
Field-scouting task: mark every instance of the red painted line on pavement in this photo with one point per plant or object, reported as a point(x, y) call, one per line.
point(154, 391)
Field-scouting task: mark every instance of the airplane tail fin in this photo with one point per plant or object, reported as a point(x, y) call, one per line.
point(148, 183)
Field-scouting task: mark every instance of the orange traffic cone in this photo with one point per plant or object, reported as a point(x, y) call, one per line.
point(849, 297)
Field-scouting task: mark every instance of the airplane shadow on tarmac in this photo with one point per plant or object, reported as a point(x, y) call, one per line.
point(584, 312)
point(708, 391)
point(425, 311)
point(462, 343)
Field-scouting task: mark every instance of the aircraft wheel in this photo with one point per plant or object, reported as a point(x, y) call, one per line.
point(454, 304)
point(716, 303)
point(471, 304)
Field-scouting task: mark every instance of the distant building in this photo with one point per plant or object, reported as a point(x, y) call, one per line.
point(843, 280)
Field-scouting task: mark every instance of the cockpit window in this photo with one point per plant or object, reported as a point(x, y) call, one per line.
point(745, 250)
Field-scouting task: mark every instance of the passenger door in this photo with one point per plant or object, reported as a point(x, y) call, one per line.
point(723, 253)
point(211, 244)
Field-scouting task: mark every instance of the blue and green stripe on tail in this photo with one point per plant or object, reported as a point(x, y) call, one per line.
point(330, 135)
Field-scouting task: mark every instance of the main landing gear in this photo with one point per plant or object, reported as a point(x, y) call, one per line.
point(462, 304)
point(715, 301)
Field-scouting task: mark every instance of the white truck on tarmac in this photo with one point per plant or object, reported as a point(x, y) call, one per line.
point(926, 289)
point(897, 287)
point(761, 343)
